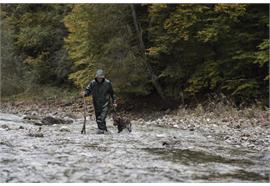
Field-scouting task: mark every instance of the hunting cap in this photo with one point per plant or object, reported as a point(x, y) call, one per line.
point(100, 73)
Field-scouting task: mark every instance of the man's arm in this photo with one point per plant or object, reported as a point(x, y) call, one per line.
point(89, 88)
point(112, 94)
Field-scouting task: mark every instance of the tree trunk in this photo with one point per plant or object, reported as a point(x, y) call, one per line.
point(154, 77)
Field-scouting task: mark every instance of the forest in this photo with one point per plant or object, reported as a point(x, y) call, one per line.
point(187, 100)
point(186, 53)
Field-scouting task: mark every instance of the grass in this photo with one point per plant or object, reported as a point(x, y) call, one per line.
point(40, 94)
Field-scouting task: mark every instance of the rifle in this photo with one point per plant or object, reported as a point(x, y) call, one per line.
point(83, 131)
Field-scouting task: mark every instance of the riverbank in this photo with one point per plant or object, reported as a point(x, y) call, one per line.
point(215, 144)
point(248, 127)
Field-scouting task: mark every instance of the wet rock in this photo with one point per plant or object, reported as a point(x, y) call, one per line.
point(175, 126)
point(140, 121)
point(37, 133)
point(148, 123)
point(167, 111)
point(245, 135)
point(49, 120)
point(225, 120)
point(245, 144)
point(30, 117)
point(64, 129)
point(251, 145)
point(191, 127)
point(264, 124)
point(252, 140)
point(226, 137)
point(171, 143)
point(6, 143)
point(165, 143)
point(160, 135)
point(238, 126)
point(38, 124)
point(6, 127)
point(54, 113)
point(21, 127)
point(158, 121)
point(228, 141)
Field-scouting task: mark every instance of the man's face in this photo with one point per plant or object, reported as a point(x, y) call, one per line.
point(99, 79)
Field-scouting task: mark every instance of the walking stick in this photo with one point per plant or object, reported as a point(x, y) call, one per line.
point(84, 116)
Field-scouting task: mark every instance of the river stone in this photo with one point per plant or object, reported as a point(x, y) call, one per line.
point(64, 129)
point(38, 124)
point(160, 135)
point(49, 120)
point(175, 126)
point(167, 111)
point(148, 123)
point(165, 143)
point(238, 126)
point(226, 137)
point(6, 143)
point(171, 143)
point(35, 133)
point(30, 117)
point(6, 127)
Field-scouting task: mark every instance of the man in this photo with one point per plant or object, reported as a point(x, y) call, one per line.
point(101, 91)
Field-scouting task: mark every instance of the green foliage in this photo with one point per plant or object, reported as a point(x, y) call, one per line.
point(101, 36)
point(211, 49)
point(262, 56)
point(38, 37)
point(11, 65)
point(195, 50)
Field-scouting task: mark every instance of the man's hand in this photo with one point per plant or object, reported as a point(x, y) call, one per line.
point(82, 93)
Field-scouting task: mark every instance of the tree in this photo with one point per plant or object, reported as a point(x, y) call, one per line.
point(11, 64)
point(181, 52)
point(38, 36)
point(203, 50)
point(102, 36)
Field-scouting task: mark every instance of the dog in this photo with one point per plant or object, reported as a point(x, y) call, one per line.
point(121, 122)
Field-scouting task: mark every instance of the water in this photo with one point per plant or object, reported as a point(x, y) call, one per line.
point(140, 156)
